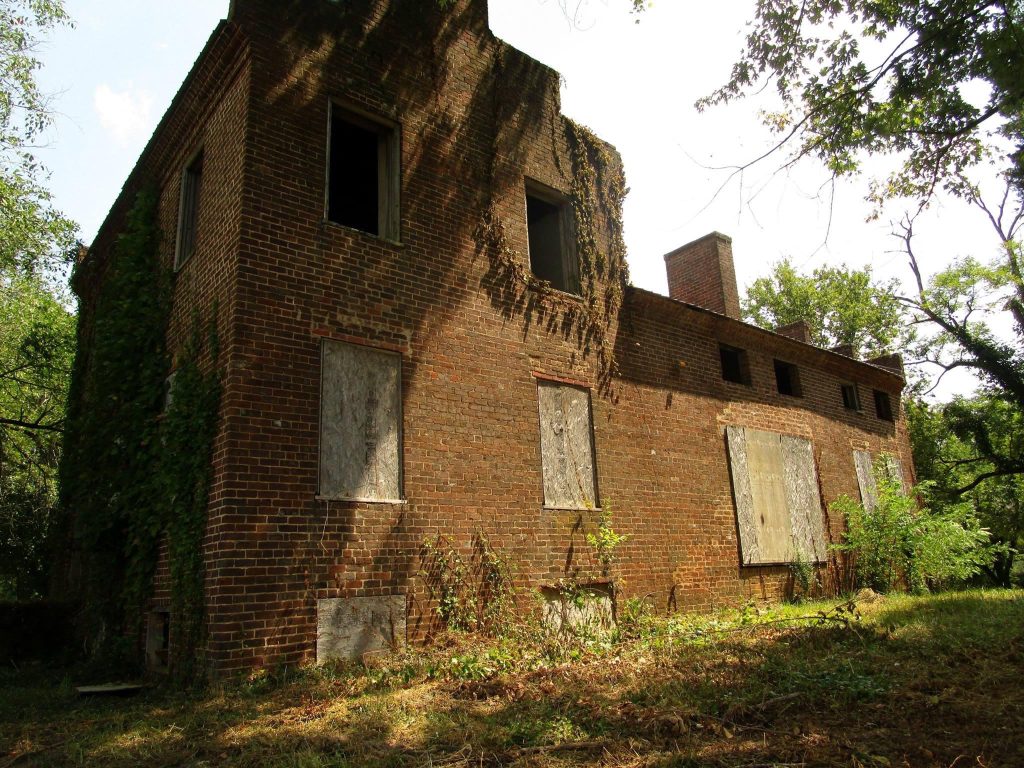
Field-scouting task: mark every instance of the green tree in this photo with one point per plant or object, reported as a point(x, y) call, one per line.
point(892, 76)
point(934, 85)
point(33, 236)
point(37, 342)
point(960, 449)
point(842, 306)
point(36, 328)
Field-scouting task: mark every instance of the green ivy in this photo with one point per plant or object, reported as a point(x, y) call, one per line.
point(187, 434)
point(132, 474)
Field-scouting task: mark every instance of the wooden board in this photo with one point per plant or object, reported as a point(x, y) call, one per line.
point(360, 422)
point(567, 449)
point(866, 480)
point(803, 499)
point(775, 488)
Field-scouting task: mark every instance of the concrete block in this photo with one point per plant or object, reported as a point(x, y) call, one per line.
point(349, 627)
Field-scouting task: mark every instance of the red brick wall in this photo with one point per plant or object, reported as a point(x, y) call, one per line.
point(702, 273)
point(476, 117)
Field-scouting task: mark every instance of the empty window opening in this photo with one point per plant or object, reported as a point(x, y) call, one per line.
point(883, 406)
point(158, 640)
point(851, 399)
point(362, 183)
point(188, 210)
point(787, 379)
point(552, 247)
point(734, 364)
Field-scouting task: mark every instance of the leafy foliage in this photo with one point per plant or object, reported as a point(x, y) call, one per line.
point(958, 449)
point(36, 328)
point(898, 76)
point(898, 545)
point(842, 305)
point(37, 342)
point(33, 237)
point(131, 473)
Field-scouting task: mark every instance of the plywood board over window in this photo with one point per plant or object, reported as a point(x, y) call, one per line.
point(567, 448)
point(775, 487)
point(360, 423)
point(866, 477)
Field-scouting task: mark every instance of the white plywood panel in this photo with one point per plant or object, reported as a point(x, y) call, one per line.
point(567, 451)
point(360, 422)
point(804, 501)
point(775, 487)
point(350, 627)
point(771, 517)
point(866, 480)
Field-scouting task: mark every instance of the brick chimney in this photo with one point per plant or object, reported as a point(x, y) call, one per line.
point(799, 330)
point(702, 273)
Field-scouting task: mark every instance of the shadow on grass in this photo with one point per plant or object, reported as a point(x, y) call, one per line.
point(921, 681)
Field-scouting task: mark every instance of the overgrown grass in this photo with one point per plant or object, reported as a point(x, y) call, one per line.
point(913, 681)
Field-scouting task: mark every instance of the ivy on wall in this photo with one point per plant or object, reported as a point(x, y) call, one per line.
point(598, 189)
point(133, 473)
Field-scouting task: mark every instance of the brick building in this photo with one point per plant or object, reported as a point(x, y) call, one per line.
point(427, 330)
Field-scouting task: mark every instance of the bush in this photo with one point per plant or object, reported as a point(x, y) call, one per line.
point(898, 544)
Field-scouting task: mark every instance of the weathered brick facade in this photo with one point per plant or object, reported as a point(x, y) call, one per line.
point(475, 118)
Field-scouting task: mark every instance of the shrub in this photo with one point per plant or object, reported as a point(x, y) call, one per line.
point(898, 544)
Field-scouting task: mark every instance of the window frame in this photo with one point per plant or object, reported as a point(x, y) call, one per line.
point(189, 199)
point(389, 168)
point(851, 403)
point(883, 406)
point(742, 360)
point(793, 373)
point(566, 233)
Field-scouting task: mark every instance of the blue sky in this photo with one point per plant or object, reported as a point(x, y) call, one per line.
point(115, 72)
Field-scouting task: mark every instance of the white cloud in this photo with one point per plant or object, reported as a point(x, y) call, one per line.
point(126, 115)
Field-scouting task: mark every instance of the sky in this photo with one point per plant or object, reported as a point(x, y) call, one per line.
point(634, 84)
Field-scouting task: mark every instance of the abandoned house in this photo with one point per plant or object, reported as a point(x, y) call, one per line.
point(415, 268)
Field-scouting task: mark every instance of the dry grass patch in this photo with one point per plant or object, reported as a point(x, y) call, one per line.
point(916, 681)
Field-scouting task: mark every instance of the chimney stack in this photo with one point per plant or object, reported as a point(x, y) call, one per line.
point(799, 330)
point(702, 273)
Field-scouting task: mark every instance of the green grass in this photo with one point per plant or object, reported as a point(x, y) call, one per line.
point(918, 681)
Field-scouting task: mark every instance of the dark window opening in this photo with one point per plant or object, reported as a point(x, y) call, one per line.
point(883, 406)
point(787, 379)
point(851, 399)
point(552, 254)
point(188, 210)
point(734, 364)
point(362, 178)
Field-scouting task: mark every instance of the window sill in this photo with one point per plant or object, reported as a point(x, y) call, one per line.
point(535, 284)
point(546, 508)
point(356, 500)
point(363, 232)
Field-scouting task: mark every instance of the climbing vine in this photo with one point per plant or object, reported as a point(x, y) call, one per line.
point(187, 433)
point(132, 474)
point(598, 189)
point(111, 443)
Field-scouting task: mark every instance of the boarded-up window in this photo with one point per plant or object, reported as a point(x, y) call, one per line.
point(866, 476)
point(778, 508)
point(567, 448)
point(360, 423)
